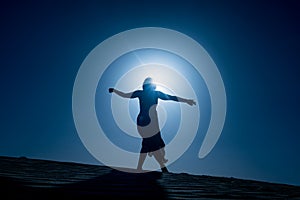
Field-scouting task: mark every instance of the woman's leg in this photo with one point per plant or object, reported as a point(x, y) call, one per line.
point(141, 161)
point(163, 153)
point(160, 159)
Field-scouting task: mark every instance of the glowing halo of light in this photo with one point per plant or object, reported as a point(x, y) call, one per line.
point(92, 68)
point(186, 132)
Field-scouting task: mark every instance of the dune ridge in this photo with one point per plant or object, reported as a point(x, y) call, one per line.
point(36, 179)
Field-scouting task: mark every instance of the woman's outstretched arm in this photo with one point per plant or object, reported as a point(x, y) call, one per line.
point(164, 96)
point(122, 94)
point(188, 101)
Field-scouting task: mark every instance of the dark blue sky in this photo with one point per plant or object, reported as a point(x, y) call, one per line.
point(255, 45)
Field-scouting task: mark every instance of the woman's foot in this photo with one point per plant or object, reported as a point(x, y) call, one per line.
point(164, 170)
point(139, 170)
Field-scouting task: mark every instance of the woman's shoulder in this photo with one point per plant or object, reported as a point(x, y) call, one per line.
point(137, 92)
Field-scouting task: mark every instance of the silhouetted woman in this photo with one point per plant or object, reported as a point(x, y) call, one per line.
point(147, 120)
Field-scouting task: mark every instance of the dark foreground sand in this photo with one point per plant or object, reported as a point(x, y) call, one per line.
point(23, 178)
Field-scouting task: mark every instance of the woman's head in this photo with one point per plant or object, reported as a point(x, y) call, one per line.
point(148, 84)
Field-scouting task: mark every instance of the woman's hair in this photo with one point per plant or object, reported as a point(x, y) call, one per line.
point(148, 84)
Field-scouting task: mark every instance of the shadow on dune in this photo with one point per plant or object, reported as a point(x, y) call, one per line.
point(22, 178)
point(113, 185)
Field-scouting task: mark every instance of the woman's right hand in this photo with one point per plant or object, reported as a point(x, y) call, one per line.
point(110, 90)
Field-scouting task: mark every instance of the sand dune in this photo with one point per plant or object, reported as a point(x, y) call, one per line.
point(22, 178)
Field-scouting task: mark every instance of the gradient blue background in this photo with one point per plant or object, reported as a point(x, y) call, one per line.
point(255, 45)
